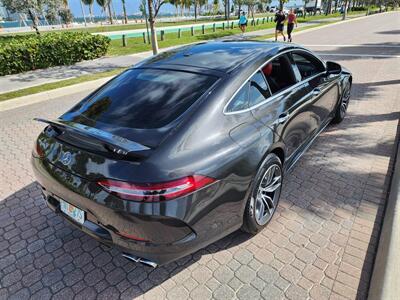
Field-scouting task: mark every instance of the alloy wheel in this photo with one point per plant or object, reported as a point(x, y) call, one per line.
point(268, 194)
point(345, 101)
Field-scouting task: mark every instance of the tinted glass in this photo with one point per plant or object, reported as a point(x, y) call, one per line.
point(279, 74)
point(144, 98)
point(240, 101)
point(307, 65)
point(258, 89)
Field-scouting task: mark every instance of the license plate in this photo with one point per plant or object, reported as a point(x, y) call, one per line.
point(73, 212)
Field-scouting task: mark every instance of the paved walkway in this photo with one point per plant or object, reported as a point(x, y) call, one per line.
point(38, 77)
point(320, 244)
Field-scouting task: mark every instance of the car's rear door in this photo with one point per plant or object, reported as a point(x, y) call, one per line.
point(286, 109)
point(323, 89)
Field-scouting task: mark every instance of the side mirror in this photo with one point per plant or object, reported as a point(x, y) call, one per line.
point(333, 68)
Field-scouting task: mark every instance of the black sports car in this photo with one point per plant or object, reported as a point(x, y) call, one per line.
point(188, 146)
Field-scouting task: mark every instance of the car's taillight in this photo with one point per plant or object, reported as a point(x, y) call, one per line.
point(38, 150)
point(153, 192)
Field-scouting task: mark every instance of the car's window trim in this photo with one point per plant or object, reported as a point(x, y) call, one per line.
point(247, 93)
point(225, 112)
point(266, 81)
point(313, 56)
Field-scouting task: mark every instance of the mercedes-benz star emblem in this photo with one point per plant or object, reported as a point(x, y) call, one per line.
point(66, 158)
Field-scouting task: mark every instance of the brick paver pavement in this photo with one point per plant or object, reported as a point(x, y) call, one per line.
point(320, 243)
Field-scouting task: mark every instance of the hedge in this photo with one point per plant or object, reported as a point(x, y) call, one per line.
point(29, 52)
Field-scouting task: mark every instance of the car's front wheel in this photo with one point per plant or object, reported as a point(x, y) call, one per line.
point(265, 194)
point(344, 103)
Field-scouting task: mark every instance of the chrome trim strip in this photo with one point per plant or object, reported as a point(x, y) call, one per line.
point(273, 97)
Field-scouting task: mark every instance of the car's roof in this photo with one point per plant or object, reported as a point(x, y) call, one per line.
point(221, 56)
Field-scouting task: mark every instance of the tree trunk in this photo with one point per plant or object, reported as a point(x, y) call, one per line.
point(280, 4)
point(226, 9)
point(328, 7)
point(240, 8)
point(154, 43)
point(195, 11)
point(147, 26)
point(34, 21)
point(124, 9)
point(110, 12)
point(345, 10)
point(229, 8)
point(91, 12)
point(83, 12)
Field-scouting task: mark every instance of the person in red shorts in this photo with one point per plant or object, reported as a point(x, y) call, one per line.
point(291, 21)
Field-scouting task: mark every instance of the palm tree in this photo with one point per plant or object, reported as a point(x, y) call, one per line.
point(90, 4)
point(83, 12)
point(124, 9)
point(106, 5)
point(154, 43)
point(142, 8)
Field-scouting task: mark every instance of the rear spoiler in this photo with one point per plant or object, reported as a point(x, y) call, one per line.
point(120, 145)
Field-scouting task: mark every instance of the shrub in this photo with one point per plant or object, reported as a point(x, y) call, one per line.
point(359, 8)
point(29, 52)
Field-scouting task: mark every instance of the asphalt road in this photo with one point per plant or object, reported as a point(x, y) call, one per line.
point(320, 244)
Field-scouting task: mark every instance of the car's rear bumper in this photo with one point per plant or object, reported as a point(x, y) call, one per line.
point(165, 231)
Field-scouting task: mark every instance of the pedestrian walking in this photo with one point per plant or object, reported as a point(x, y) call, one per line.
point(280, 21)
point(243, 22)
point(291, 21)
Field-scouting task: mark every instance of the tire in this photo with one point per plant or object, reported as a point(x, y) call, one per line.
point(343, 105)
point(256, 214)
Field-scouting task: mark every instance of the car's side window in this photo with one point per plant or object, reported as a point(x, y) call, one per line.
point(258, 90)
point(240, 101)
point(279, 74)
point(307, 64)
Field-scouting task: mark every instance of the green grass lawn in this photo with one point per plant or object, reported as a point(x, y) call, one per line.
point(58, 84)
point(136, 44)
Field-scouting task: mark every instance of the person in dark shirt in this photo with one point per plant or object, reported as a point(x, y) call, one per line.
point(279, 20)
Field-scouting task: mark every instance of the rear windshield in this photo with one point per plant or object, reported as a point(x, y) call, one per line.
point(144, 98)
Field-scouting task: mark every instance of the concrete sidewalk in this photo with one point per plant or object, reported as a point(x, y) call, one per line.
point(385, 282)
point(16, 82)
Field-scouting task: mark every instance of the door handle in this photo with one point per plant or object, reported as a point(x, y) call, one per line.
point(316, 91)
point(283, 118)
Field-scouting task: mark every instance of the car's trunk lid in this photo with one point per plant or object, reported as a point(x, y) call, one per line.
point(94, 153)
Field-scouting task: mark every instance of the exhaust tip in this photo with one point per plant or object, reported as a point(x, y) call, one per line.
point(143, 261)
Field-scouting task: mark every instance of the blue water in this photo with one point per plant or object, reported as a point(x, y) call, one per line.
point(10, 24)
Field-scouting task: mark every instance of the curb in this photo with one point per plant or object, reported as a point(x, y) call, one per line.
point(52, 94)
point(385, 280)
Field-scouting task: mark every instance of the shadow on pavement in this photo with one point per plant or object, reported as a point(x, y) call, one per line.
point(42, 254)
point(390, 32)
